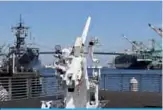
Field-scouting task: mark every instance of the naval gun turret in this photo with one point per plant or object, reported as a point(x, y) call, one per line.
point(71, 72)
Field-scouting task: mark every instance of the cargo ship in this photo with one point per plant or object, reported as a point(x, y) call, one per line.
point(138, 61)
point(140, 58)
point(131, 62)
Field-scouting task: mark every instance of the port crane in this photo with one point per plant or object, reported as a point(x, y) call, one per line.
point(145, 52)
point(141, 47)
point(71, 67)
point(157, 30)
point(134, 44)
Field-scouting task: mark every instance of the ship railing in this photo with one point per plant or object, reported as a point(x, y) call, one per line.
point(147, 82)
point(12, 88)
point(29, 87)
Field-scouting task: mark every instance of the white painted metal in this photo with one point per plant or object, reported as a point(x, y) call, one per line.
point(13, 65)
point(80, 91)
point(133, 84)
point(86, 29)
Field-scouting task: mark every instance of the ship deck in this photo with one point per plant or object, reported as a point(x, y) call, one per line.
point(115, 100)
point(132, 99)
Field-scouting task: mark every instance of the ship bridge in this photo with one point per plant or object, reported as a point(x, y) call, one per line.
point(97, 53)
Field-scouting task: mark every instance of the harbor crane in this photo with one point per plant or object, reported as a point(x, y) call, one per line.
point(141, 47)
point(133, 43)
point(157, 30)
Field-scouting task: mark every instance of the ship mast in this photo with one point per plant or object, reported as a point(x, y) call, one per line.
point(20, 32)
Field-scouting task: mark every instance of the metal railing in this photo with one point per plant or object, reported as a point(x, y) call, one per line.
point(31, 87)
point(121, 82)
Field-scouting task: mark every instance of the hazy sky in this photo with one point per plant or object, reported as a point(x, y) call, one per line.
point(60, 22)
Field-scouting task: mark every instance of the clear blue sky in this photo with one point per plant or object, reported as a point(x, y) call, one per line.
point(60, 22)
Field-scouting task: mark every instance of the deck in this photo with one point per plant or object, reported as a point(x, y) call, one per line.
point(30, 94)
point(132, 99)
point(115, 100)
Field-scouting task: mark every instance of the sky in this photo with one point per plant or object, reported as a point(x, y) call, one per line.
point(53, 23)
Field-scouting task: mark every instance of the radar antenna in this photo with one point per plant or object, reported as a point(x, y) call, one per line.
point(21, 32)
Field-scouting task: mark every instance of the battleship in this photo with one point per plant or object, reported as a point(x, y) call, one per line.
point(18, 65)
point(20, 57)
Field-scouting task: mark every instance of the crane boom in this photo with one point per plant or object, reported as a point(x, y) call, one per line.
point(131, 42)
point(157, 30)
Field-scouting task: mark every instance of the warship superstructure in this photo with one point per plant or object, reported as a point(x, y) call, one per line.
point(20, 56)
point(17, 68)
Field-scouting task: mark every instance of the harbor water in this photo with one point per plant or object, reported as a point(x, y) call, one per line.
point(118, 79)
